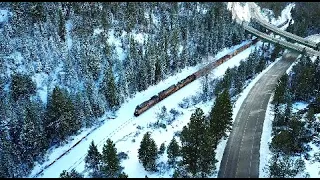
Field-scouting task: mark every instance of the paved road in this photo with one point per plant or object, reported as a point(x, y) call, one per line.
point(241, 155)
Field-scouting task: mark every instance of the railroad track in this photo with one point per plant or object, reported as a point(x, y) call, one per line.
point(66, 152)
point(100, 143)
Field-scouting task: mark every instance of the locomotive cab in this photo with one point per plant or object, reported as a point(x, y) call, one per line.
point(136, 111)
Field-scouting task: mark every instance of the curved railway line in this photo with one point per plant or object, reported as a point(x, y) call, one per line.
point(166, 92)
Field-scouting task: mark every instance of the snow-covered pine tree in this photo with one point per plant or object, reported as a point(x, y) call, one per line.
point(173, 152)
point(196, 149)
point(62, 29)
point(148, 152)
point(110, 161)
point(72, 174)
point(220, 117)
point(123, 175)
point(162, 148)
point(110, 89)
point(93, 161)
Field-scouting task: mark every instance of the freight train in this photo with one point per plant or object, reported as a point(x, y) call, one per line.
point(172, 89)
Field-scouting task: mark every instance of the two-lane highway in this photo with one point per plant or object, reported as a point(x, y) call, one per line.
point(241, 155)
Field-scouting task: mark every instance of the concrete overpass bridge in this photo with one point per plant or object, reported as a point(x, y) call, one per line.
point(285, 44)
point(256, 15)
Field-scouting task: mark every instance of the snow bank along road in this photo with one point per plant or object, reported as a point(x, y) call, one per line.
point(241, 155)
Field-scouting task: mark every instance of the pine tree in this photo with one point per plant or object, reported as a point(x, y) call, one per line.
point(72, 174)
point(148, 152)
point(31, 135)
point(110, 160)
point(197, 149)
point(162, 149)
point(221, 116)
point(123, 175)
point(61, 120)
point(22, 86)
point(173, 152)
point(280, 91)
point(8, 169)
point(62, 29)
point(284, 166)
point(93, 161)
point(175, 174)
point(157, 71)
point(111, 90)
point(207, 155)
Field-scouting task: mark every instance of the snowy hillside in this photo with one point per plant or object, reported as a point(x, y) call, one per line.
point(241, 12)
point(124, 126)
point(65, 67)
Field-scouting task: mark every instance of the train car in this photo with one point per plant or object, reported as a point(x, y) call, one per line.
point(165, 93)
point(186, 81)
point(225, 58)
point(200, 72)
point(140, 108)
point(181, 84)
point(255, 40)
point(146, 105)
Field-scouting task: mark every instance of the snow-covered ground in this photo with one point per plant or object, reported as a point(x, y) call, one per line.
point(4, 15)
point(122, 129)
point(125, 124)
point(314, 37)
point(240, 11)
point(312, 168)
point(265, 153)
point(116, 42)
point(267, 15)
point(68, 36)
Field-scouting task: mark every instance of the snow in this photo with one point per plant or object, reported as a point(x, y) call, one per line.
point(139, 37)
point(285, 14)
point(155, 20)
point(298, 106)
point(97, 31)
point(265, 153)
point(41, 80)
point(239, 12)
point(113, 41)
point(294, 63)
point(314, 37)
point(4, 15)
point(180, 49)
point(313, 168)
point(15, 63)
point(125, 124)
point(68, 36)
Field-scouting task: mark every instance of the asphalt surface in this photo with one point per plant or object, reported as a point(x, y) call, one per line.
point(241, 155)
